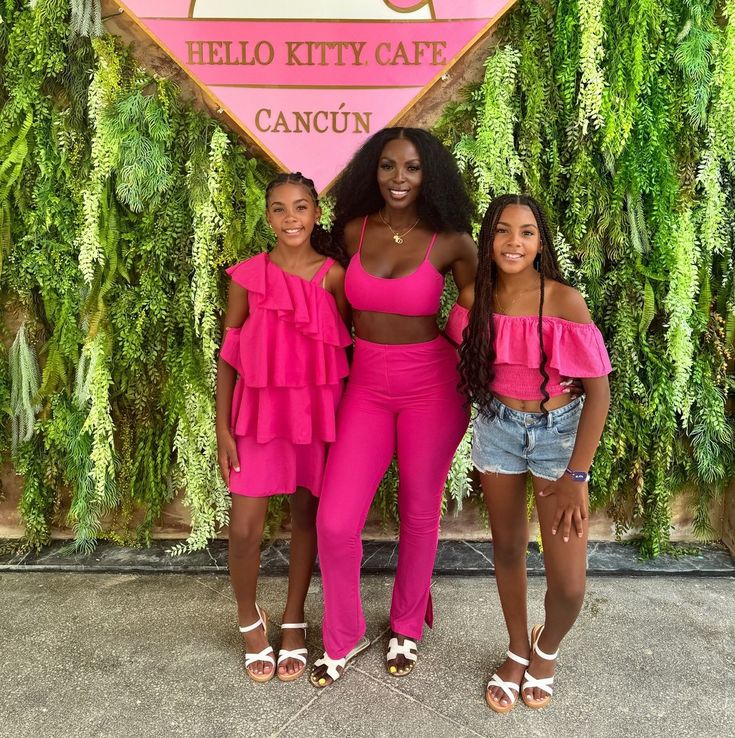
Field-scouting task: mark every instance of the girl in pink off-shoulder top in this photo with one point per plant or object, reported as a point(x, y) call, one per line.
point(522, 330)
point(279, 381)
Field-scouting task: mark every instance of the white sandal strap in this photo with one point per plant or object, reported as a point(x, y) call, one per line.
point(404, 649)
point(543, 654)
point(248, 628)
point(299, 654)
point(331, 665)
point(287, 626)
point(518, 659)
point(496, 681)
point(531, 682)
point(264, 655)
point(257, 623)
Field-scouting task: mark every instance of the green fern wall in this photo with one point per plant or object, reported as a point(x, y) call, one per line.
point(119, 205)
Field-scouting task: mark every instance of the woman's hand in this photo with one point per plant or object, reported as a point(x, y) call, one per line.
point(227, 454)
point(572, 505)
point(572, 386)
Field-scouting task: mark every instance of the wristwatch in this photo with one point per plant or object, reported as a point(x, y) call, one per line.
point(578, 476)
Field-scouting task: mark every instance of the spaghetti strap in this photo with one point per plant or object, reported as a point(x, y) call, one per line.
point(431, 246)
point(322, 271)
point(362, 234)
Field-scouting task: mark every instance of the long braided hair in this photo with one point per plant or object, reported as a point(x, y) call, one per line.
point(477, 353)
point(321, 239)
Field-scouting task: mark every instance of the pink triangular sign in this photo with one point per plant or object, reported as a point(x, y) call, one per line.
point(310, 89)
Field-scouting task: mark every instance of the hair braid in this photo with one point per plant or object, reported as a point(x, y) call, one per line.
point(477, 353)
point(544, 358)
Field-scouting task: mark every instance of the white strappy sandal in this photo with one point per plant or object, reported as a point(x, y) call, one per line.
point(299, 654)
point(333, 665)
point(530, 681)
point(496, 681)
point(408, 649)
point(265, 654)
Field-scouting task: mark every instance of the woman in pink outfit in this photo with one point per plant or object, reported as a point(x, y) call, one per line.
point(403, 215)
point(279, 381)
point(526, 328)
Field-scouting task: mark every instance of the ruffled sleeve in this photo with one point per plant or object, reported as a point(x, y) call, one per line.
point(573, 349)
point(306, 306)
point(579, 351)
point(250, 274)
point(230, 351)
point(457, 321)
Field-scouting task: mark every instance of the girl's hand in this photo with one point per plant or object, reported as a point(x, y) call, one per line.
point(572, 505)
point(227, 454)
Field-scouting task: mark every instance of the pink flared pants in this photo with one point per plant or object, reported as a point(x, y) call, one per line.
point(400, 399)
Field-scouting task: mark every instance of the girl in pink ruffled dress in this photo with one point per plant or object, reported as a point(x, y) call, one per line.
point(279, 381)
point(525, 330)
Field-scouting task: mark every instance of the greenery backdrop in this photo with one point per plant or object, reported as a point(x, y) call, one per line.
point(119, 206)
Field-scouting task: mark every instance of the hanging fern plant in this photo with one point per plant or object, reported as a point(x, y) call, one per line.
point(119, 207)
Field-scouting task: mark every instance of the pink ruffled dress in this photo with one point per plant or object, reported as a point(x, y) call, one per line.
point(575, 350)
point(291, 362)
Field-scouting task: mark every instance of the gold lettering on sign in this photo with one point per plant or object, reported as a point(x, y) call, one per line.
point(363, 122)
point(316, 53)
point(221, 52)
point(324, 53)
point(410, 54)
point(306, 121)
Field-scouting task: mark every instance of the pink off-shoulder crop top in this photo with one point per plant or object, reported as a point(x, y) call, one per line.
point(417, 293)
point(574, 350)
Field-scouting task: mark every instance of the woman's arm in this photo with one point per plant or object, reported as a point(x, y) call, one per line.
point(464, 265)
point(335, 283)
point(351, 236)
point(235, 315)
point(464, 271)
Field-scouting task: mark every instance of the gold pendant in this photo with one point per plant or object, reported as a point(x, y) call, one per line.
point(397, 238)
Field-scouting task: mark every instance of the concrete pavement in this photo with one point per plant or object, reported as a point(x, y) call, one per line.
point(158, 655)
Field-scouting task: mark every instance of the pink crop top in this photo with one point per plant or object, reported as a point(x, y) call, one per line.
point(573, 350)
point(417, 293)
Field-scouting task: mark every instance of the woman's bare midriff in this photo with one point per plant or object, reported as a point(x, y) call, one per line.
point(388, 328)
point(534, 406)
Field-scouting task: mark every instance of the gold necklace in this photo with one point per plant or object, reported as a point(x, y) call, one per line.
point(515, 299)
point(397, 237)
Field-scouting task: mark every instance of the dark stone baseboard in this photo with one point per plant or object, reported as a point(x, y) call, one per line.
point(454, 557)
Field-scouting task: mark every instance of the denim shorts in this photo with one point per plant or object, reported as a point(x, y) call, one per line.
point(513, 442)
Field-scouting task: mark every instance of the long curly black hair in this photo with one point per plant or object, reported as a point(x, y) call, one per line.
point(477, 353)
point(321, 239)
point(443, 203)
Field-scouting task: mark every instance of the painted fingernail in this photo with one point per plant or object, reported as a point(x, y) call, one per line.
point(237, 468)
point(553, 531)
point(566, 540)
point(565, 392)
